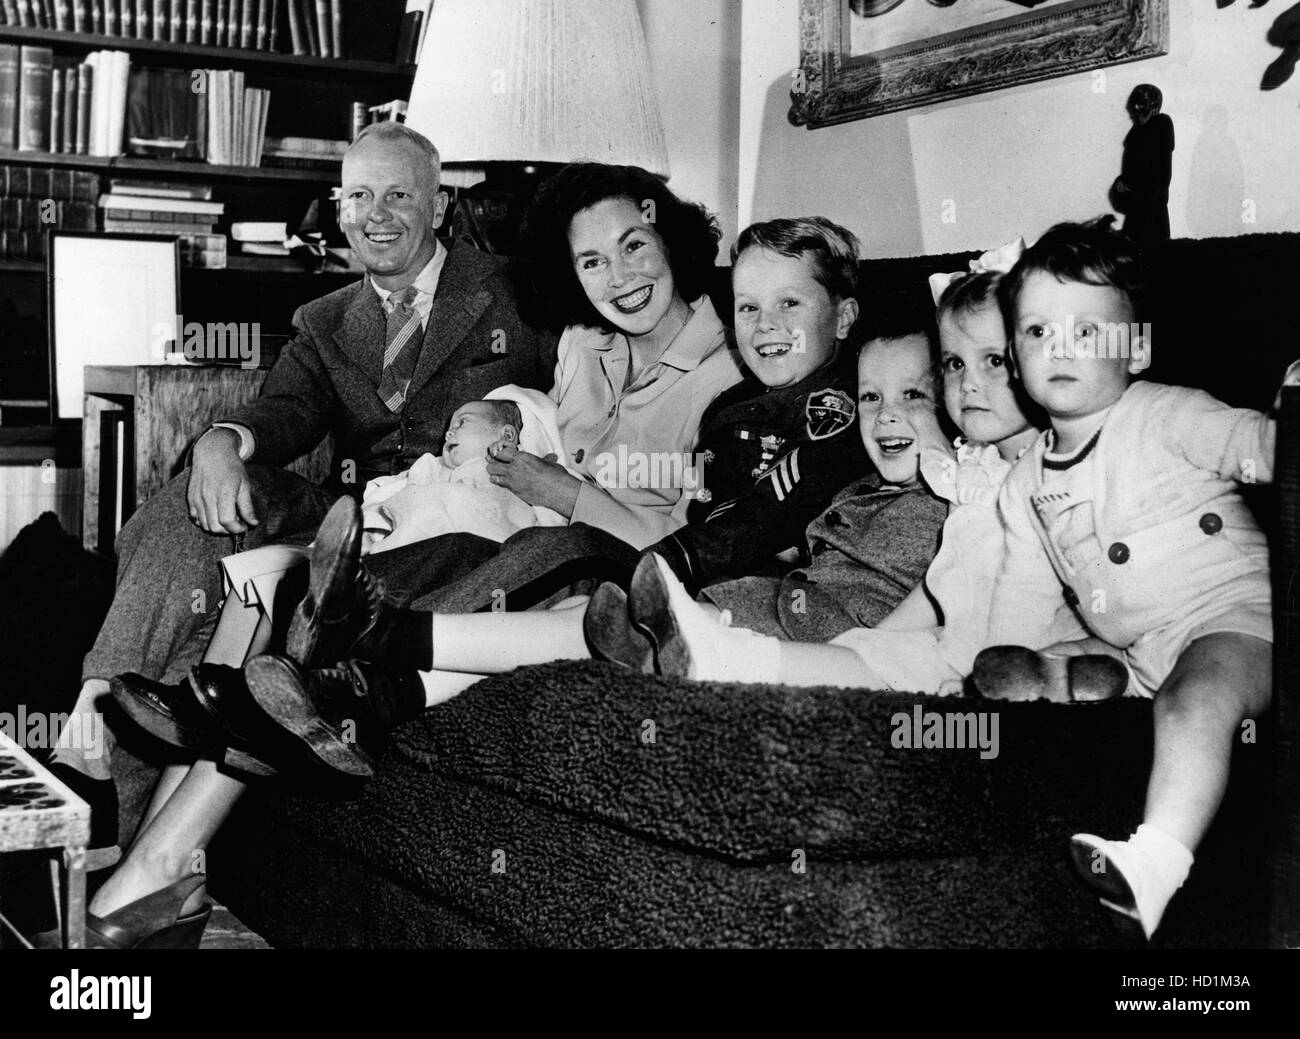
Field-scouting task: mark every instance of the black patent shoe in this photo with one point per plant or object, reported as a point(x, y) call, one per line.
point(209, 713)
point(344, 613)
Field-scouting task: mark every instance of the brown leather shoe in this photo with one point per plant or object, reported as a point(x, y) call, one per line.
point(344, 614)
point(326, 710)
point(1017, 673)
point(610, 633)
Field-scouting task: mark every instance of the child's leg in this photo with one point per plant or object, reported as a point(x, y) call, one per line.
point(1220, 680)
point(706, 649)
point(1217, 682)
point(489, 643)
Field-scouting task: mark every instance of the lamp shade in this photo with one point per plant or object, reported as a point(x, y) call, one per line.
point(538, 81)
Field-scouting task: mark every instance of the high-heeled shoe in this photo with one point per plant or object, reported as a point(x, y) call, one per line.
point(152, 922)
point(610, 633)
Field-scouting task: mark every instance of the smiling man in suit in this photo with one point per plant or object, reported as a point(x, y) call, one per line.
point(380, 365)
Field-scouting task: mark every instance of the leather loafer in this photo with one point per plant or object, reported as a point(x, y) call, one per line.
point(344, 613)
point(210, 712)
point(610, 633)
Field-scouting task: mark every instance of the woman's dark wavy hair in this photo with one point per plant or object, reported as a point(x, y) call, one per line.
point(1093, 253)
point(689, 232)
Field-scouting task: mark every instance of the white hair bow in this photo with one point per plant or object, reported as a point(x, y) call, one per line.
point(1000, 260)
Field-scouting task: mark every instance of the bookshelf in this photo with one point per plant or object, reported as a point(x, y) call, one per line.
point(310, 97)
point(162, 53)
point(161, 168)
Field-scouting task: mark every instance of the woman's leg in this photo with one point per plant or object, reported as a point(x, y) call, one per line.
point(169, 847)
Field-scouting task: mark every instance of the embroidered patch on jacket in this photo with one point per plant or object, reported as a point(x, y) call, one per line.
point(829, 412)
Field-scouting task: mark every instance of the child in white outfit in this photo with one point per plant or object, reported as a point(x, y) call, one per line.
point(441, 494)
point(1128, 507)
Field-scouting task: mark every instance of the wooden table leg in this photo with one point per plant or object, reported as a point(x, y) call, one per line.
point(74, 898)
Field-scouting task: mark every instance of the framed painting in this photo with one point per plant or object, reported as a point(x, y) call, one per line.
point(860, 58)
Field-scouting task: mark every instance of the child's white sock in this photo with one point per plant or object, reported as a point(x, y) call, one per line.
point(1151, 864)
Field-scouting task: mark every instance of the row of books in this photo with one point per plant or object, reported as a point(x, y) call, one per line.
point(35, 198)
point(315, 26)
point(79, 110)
point(206, 114)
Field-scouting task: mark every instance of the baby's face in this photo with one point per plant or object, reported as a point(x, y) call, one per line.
point(977, 389)
point(473, 428)
point(787, 324)
point(897, 411)
point(1076, 351)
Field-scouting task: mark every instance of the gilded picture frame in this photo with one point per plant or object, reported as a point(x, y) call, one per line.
point(862, 58)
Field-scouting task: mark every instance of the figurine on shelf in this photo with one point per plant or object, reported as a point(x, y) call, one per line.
point(1141, 191)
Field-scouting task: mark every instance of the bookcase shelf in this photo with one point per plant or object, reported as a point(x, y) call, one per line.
point(161, 52)
point(162, 167)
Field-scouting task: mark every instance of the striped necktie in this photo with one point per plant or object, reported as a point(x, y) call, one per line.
point(402, 339)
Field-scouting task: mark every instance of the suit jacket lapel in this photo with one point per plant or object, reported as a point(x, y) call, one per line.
point(363, 332)
point(457, 306)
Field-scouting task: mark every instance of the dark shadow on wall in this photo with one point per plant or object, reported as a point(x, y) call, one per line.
point(1217, 187)
point(861, 174)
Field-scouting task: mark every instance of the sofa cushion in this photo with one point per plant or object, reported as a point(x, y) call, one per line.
point(753, 772)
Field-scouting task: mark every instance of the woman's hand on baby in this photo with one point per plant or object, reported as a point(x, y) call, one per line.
point(538, 481)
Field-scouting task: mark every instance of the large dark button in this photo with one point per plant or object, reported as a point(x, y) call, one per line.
point(1071, 596)
point(578, 456)
point(833, 518)
point(1211, 523)
point(1118, 553)
point(798, 575)
point(818, 547)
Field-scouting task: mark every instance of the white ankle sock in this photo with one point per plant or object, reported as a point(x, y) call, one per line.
point(1160, 863)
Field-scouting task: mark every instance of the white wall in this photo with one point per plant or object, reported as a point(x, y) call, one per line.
point(1014, 161)
point(694, 48)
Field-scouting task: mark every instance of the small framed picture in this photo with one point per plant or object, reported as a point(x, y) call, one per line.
point(113, 299)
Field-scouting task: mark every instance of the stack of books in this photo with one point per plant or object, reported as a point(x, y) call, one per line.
point(164, 208)
point(79, 110)
point(303, 152)
point(35, 198)
point(247, 24)
point(261, 238)
point(236, 119)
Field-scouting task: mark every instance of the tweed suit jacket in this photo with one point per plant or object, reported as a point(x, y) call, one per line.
point(325, 380)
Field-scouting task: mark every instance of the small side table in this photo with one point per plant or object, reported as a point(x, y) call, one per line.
point(37, 811)
point(138, 421)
